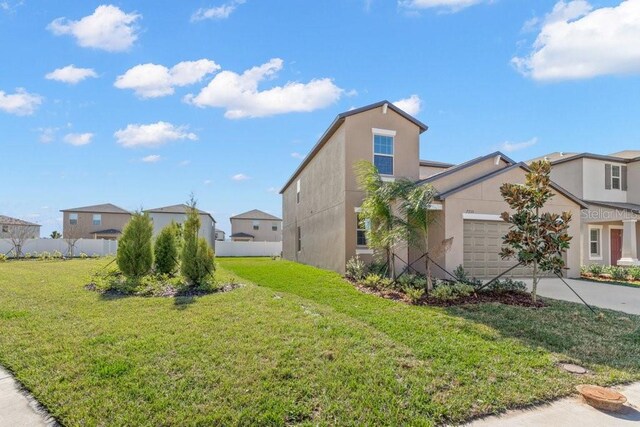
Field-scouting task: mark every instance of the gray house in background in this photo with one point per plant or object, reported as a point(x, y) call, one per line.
point(256, 226)
point(220, 235)
point(14, 227)
point(162, 217)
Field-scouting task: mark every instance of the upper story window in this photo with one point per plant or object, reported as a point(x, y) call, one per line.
point(615, 177)
point(97, 219)
point(256, 225)
point(274, 226)
point(298, 191)
point(73, 218)
point(5, 228)
point(383, 152)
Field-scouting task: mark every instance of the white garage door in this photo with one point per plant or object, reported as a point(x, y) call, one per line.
point(482, 245)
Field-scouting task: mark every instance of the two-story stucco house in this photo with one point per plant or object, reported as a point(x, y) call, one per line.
point(163, 216)
point(104, 221)
point(322, 199)
point(256, 226)
point(610, 186)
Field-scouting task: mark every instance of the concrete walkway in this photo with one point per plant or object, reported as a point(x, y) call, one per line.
point(572, 411)
point(16, 408)
point(621, 298)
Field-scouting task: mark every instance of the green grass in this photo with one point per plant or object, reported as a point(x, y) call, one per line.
point(296, 345)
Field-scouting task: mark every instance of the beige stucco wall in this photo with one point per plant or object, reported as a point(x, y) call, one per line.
point(455, 179)
point(633, 175)
point(569, 175)
point(427, 171)
point(264, 233)
point(485, 198)
point(594, 183)
point(85, 226)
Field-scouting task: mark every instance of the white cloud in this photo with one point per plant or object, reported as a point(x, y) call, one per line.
point(20, 103)
point(510, 147)
point(151, 158)
point(240, 177)
point(47, 135)
point(449, 5)
point(108, 28)
point(71, 74)
point(297, 155)
point(152, 135)
point(578, 42)
point(78, 139)
point(184, 163)
point(218, 12)
point(410, 105)
point(207, 182)
point(152, 80)
point(239, 94)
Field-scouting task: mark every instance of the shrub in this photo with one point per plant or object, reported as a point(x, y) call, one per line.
point(412, 281)
point(356, 269)
point(596, 269)
point(377, 267)
point(166, 250)
point(57, 254)
point(618, 273)
point(450, 292)
point(44, 256)
point(462, 276)
point(135, 253)
point(386, 283)
point(372, 281)
point(28, 255)
point(3, 258)
point(584, 269)
point(634, 272)
point(83, 255)
point(197, 256)
point(414, 294)
point(507, 285)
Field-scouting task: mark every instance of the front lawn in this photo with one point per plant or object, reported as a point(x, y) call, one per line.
point(296, 345)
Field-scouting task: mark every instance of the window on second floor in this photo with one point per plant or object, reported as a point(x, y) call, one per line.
point(274, 226)
point(73, 218)
point(5, 228)
point(615, 177)
point(383, 154)
point(97, 219)
point(256, 225)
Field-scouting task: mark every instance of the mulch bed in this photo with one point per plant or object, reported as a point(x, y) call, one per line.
point(520, 299)
point(167, 292)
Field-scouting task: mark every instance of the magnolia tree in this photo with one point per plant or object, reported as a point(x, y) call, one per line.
point(535, 238)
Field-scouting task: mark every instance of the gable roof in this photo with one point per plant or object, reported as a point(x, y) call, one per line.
point(103, 208)
point(594, 157)
point(337, 122)
point(467, 164)
point(615, 205)
point(7, 220)
point(255, 214)
point(471, 183)
point(434, 164)
point(241, 234)
point(177, 209)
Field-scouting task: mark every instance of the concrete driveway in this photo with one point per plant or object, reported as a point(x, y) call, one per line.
point(621, 298)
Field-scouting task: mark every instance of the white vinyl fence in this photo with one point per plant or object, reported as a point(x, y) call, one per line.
point(228, 248)
point(88, 246)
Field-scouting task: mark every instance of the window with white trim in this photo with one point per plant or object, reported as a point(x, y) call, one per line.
point(274, 226)
point(97, 219)
point(615, 177)
point(73, 218)
point(595, 242)
point(383, 153)
point(362, 225)
point(256, 224)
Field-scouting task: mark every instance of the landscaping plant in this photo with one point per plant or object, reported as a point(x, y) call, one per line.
point(355, 269)
point(451, 291)
point(135, 252)
point(166, 250)
point(197, 264)
point(535, 238)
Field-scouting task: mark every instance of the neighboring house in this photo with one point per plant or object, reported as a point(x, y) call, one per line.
point(610, 186)
point(18, 228)
point(104, 221)
point(321, 200)
point(256, 226)
point(220, 235)
point(162, 217)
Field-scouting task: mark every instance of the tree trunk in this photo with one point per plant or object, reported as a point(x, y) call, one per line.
point(535, 281)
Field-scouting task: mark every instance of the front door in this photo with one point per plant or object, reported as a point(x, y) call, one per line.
point(616, 245)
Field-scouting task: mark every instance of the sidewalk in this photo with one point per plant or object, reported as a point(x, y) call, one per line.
point(16, 409)
point(570, 411)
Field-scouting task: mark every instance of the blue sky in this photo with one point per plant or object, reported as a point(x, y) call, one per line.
point(139, 105)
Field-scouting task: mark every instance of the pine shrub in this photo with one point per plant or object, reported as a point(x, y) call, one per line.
point(166, 250)
point(135, 251)
point(197, 256)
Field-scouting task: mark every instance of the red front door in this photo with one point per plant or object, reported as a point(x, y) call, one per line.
point(616, 246)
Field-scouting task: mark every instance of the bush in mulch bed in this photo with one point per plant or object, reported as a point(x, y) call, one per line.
point(114, 283)
point(446, 294)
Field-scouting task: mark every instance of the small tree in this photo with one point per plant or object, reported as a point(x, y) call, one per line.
point(197, 262)
point(135, 251)
point(55, 234)
point(166, 249)
point(18, 236)
point(73, 233)
point(534, 238)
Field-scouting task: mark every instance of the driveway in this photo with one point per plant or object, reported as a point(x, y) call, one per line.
point(621, 298)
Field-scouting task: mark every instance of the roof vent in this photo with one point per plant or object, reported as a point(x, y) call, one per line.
point(497, 161)
point(562, 154)
point(384, 108)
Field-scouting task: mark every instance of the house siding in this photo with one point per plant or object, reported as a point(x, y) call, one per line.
point(263, 234)
point(85, 225)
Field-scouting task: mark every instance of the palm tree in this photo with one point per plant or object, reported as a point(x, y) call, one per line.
point(55, 234)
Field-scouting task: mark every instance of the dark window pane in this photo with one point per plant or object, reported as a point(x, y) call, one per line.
point(361, 238)
point(383, 144)
point(384, 164)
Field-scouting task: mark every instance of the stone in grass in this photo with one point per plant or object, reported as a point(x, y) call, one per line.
point(574, 369)
point(602, 398)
